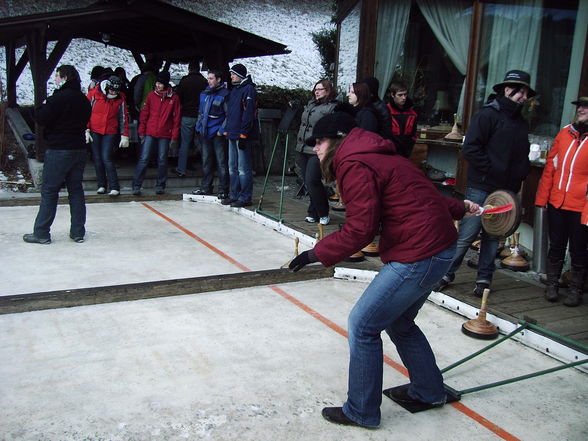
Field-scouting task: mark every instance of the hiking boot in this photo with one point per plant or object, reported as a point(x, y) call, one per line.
point(479, 289)
point(241, 204)
point(31, 238)
point(553, 272)
point(136, 192)
point(574, 297)
point(227, 201)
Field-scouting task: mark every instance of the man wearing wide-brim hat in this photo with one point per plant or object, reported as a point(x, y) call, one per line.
point(496, 146)
point(562, 190)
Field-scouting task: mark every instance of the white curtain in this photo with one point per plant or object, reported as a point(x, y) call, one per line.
point(514, 39)
point(392, 22)
point(451, 22)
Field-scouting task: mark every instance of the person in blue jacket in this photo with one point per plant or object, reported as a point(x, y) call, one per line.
point(241, 128)
point(211, 116)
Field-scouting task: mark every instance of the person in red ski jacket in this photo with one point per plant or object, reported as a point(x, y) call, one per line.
point(385, 194)
point(159, 125)
point(107, 129)
point(563, 189)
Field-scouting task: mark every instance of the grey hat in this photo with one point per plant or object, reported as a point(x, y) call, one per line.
point(335, 125)
point(516, 78)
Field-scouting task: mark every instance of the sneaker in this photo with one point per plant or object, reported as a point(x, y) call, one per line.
point(479, 289)
point(339, 206)
point(101, 190)
point(336, 415)
point(325, 220)
point(159, 190)
point(31, 238)
point(114, 193)
point(223, 196)
point(136, 192)
point(310, 220)
point(227, 201)
point(201, 192)
point(78, 239)
point(179, 174)
point(241, 204)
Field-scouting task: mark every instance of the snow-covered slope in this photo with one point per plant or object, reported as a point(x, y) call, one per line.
point(289, 22)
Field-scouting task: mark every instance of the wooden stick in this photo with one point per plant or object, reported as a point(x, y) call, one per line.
point(321, 228)
point(296, 242)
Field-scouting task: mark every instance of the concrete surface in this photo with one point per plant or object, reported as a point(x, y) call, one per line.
point(251, 365)
point(248, 364)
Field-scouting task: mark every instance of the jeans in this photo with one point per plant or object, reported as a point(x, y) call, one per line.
point(62, 166)
point(469, 228)
point(214, 150)
point(311, 171)
point(390, 303)
point(565, 227)
point(186, 141)
point(161, 145)
point(240, 172)
point(102, 150)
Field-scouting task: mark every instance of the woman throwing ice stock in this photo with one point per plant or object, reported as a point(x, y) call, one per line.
point(385, 194)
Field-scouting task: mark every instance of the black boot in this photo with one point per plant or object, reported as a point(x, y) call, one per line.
point(574, 297)
point(553, 272)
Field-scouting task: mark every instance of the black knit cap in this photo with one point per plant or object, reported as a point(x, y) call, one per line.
point(163, 77)
point(335, 125)
point(239, 70)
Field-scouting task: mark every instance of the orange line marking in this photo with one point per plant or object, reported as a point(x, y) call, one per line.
point(339, 330)
point(199, 239)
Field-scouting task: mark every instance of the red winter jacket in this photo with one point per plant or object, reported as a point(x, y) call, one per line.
point(386, 194)
point(161, 115)
point(564, 182)
point(110, 116)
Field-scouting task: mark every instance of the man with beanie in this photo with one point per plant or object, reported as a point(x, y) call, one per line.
point(404, 119)
point(64, 116)
point(496, 147)
point(241, 128)
point(159, 125)
point(381, 108)
point(189, 90)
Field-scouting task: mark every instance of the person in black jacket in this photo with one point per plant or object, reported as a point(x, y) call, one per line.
point(496, 146)
point(366, 115)
point(65, 116)
point(381, 108)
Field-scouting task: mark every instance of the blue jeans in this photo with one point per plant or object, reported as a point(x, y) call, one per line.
point(214, 150)
point(161, 145)
point(390, 303)
point(186, 141)
point(469, 228)
point(62, 166)
point(240, 172)
point(102, 150)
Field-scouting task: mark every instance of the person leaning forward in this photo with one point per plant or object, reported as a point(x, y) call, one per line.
point(417, 244)
point(64, 116)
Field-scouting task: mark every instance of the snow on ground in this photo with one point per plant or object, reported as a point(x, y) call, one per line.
point(286, 21)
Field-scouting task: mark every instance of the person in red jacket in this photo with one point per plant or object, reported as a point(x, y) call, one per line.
point(404, 119)
point(564, 190)
point(159, 125)
point(417, 244)
point(108, 125)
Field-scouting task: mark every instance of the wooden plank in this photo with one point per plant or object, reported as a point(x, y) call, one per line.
point(147, 290)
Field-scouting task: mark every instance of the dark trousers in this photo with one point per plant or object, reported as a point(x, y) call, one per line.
point(62, 166)
point(310, 169)
point(214, 150)
point(564, 227)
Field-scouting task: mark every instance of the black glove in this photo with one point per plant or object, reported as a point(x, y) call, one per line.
point(302, 260)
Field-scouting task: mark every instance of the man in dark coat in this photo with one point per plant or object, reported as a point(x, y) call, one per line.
point(403, 118)
point(241, 127)
point(189, 90)
point(65, 116)
point(496, 146)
